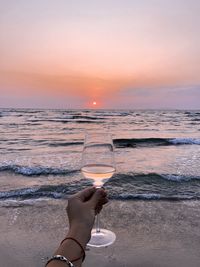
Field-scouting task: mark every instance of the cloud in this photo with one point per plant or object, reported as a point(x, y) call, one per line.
point(181, 97)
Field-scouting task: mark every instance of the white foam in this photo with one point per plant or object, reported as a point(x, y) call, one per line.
point(35, 170)
point(140, 196)
point(19, 192)
point(188, 141)
point(24, 202)
point(179, 178)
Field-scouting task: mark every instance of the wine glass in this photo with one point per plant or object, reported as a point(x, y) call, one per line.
point(98, 165)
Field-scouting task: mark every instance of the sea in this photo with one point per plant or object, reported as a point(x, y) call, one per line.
point(157, 153)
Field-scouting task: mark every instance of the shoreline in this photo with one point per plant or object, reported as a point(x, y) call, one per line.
point(149, 233)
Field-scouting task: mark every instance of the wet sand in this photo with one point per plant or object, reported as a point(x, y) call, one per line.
point(149, 234)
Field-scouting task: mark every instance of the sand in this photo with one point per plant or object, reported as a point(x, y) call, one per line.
point(149, 234)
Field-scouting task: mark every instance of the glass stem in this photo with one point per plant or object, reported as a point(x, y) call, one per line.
point(98, 223)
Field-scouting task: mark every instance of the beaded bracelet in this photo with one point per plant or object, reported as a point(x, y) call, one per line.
point(60, 258)
point(78, 243)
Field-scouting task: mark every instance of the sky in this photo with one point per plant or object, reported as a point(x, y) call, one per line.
point(135, 54)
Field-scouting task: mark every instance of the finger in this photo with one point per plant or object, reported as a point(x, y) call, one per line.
point(104, 201)
point(99, 206)
point(98, 210)
point(86, 194)
point(101, 203)
point(97, 197)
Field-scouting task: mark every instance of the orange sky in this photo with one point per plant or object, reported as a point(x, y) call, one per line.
point(84, 52)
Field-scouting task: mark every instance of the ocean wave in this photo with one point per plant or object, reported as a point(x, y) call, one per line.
point(121, 187)
point(63, 191)
point(34, 170)
point(118, 178)
point(88, 121)
point(16, 203)
point(65, 144)
point(151, 142)
point(109, 113)
point(121, 179)
point(196, 119)
point(44, 191)
point(152, 196)
point(135, 142)
point(185, 141)
point(87, 117)
point(67, 120)
point(192, 113)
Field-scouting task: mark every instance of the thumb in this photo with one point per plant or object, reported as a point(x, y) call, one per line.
point(97, 197)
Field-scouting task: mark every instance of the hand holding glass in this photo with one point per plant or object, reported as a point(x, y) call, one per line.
point(98, 165)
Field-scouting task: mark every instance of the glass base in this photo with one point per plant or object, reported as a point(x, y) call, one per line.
point(103, 238)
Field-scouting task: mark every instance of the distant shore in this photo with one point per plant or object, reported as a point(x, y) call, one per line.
point(149, 233)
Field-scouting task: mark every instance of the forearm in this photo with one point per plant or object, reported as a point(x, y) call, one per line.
point(70, 249)
point(81, 211)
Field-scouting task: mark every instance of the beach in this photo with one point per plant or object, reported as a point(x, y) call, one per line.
point(154, 194)
point(103, 94)
point(149, 233)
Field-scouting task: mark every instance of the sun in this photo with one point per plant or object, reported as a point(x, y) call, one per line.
point(94, 103)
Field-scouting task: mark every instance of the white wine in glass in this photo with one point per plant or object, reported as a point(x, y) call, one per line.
point(99, 173)
point(98, 166)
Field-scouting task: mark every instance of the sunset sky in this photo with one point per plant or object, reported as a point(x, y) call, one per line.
point(119, 54)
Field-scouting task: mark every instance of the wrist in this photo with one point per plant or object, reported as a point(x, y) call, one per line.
point(71, 248)
point(80, 232)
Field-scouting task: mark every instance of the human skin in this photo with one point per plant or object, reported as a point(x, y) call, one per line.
point(81, 210)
